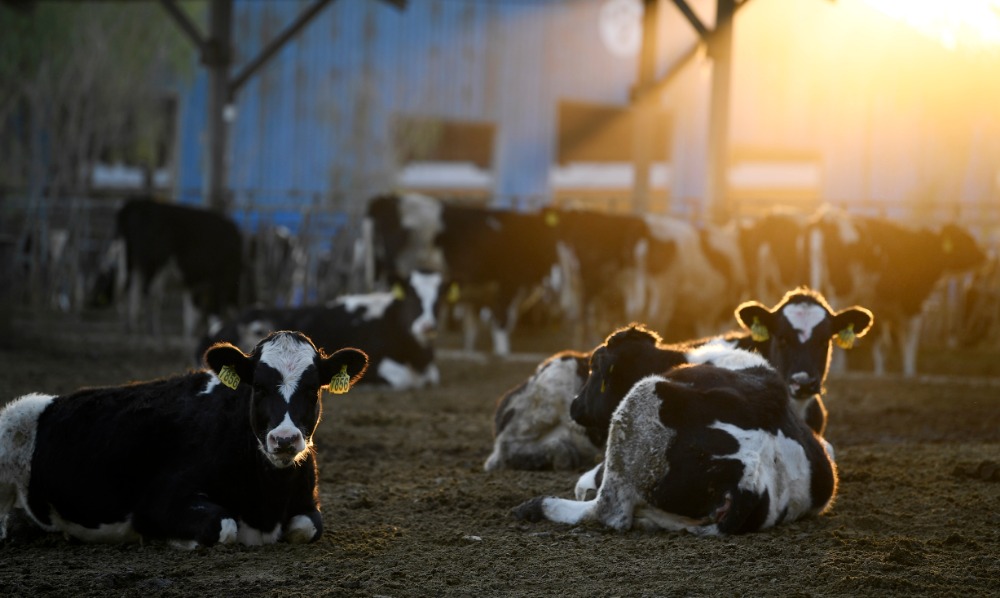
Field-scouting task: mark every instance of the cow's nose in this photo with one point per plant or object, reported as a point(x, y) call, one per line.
point(804, 385)
point(284, 444)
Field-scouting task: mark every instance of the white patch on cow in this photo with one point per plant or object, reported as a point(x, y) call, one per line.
point(301, 529)
point(228, 531)
point(290, 357)
point(18, 430)
point(427, 285)
point(720, 354)
point(804, 317)
point(213, 382)
point(399, 375)
point(372, 305)
point(119, 532)
point(587, 483)
point(250, 536)
point(253, 332)
point(776, 464)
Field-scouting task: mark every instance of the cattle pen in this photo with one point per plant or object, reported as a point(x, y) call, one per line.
point(409, 511)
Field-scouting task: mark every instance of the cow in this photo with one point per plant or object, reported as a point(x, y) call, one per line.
point(606, 260)
point(533, 428)
point(209, 457)
point(890, 267)
point(493, 260)
point(205, 247)
point(712, 448)
point(395, 328)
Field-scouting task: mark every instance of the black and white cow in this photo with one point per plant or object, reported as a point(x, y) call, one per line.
point(533, 427)
point(774, 253)
point(892, 268)
point(205, 247)
point(210, 457)
point(712, 448)
point(395, 328)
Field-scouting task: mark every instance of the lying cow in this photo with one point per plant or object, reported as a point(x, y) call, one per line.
point(712, 448)
point(533, 429)
point(395, 328)
point(209, 457)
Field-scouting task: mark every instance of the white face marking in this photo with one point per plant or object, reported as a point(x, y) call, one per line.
point(426, 285)
point(286, 429)
point(290, 357)
point(804, 317)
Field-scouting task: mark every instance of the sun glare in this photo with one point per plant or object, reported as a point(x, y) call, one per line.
point(972, 24)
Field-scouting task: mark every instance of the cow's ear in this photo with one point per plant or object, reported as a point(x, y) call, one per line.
point(850, 324)
point(756, 318)
point(229, 363)
point(343, 369)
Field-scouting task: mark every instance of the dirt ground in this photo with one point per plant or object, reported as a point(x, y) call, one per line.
point(409, 511)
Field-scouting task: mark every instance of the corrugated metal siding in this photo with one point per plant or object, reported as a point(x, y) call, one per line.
point(316, 121)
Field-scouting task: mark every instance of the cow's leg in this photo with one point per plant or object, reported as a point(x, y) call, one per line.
point(909, 341)
point(587, 485)
point(136, 288)
point(188, 521)
point(307, 527)
point(878, 350)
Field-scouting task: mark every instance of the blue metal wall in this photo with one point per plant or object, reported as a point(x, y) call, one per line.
point(314, 124)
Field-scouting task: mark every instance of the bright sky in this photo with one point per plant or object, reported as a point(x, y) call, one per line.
point(967, 24)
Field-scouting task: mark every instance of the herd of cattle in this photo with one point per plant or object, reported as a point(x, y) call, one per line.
point(719, 435)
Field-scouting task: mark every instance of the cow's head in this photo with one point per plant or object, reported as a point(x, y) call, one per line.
point(628, 355)
point(419, 298)
point(795, 336)
point(285, 373)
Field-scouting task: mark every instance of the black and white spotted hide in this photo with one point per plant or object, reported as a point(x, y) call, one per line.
point(712, 448)
point(532, 427)
point(210, 457)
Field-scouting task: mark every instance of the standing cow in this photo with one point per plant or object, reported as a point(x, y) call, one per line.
point(209, 457)
point(205, 248)
point(712, 448)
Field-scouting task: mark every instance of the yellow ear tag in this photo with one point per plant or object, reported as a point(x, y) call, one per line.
point(453, 294)
point(845, 338)
point(551, 219)
point(397, 292)
point(758, 331)
point(229, 377)
point(341, 382)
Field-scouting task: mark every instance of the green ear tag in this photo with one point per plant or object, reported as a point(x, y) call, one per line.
point(845, 338)
point(341, 381)
point(229, 377)
point(758, 331)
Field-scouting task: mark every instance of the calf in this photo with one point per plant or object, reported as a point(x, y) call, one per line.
point(712, 448)
point(208, 457)
point(532, 427)
point(395, 328)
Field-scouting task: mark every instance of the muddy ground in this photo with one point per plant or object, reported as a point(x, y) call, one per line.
point(409, 511)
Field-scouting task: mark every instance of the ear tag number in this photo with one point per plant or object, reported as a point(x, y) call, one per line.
point(758, 331)
point(341, 382)
point(845, 338)
point(229, 377)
